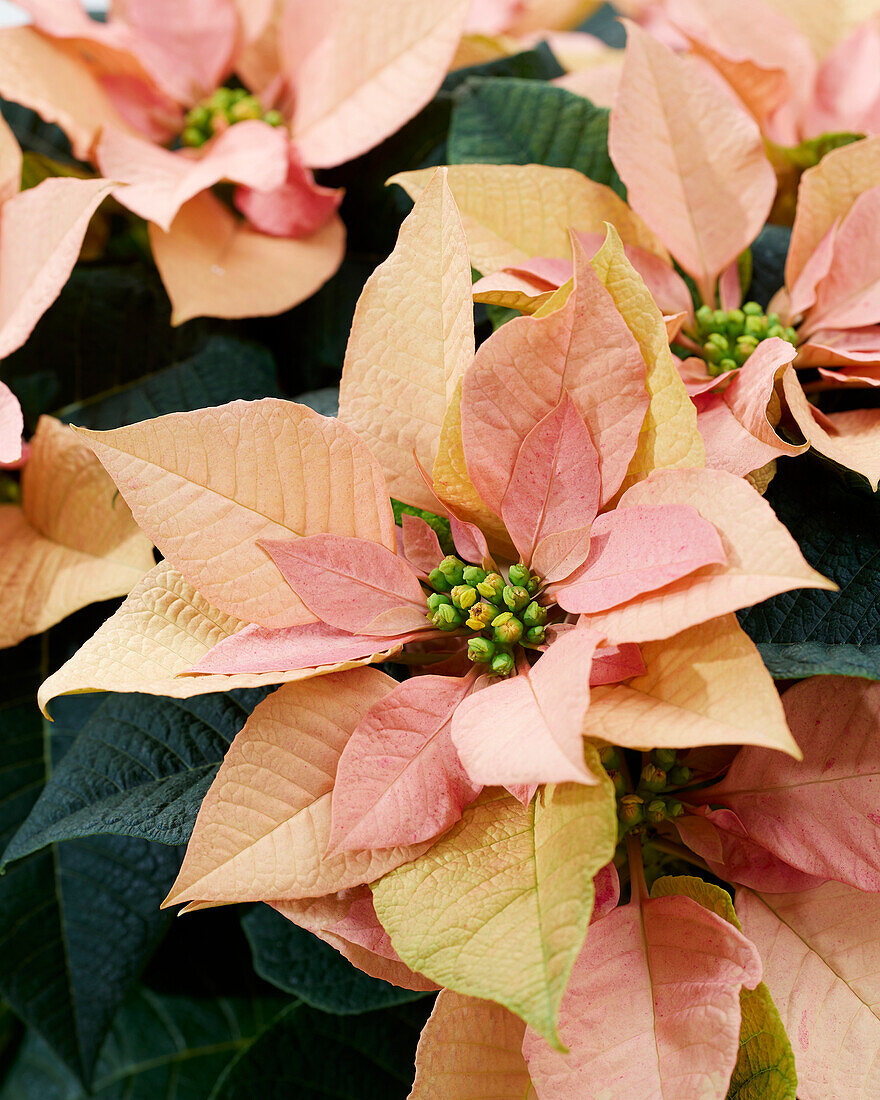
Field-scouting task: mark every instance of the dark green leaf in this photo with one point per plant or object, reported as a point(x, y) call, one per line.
point(512, 121)
point(225, 369)
point(110, 326)
point(300, 963)
point(769, 252)
point(537, 64)
point(37, 167)
point(312, 1056)
point(837, 525)
point(77, 921)
point(32, 133)
point(159, 1048)
point(139, 767)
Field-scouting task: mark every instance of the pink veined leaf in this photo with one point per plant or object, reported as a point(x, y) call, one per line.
point(848, 85)
point(159, 182)
point(376, 64)
point(470, 542)
point(849, 295)
point(803, 294)
point(667, 287)
point(606, 883)
point(613, 663)
point(842, 348)
point(41, 234)
point(821, 964)
point(819, 815)
point(399, 775)
point(144, 107)
point(554, 493)
point(639, 550)
point(520, 373)
point(725, 845)
point(351, 583)
point(187, 45)
point(729, 288)
point(730, 446)
point(261, 649)
point(11, 426)
point(692, 158)
point(529, 728)
point(652, 1007)
point(298, 208)
point(421, 547)
point(751, 390)
point(522, 792)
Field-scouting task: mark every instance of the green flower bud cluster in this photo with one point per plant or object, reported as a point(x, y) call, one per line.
point(651, 803)
point(499, 614)
point(728, 337)
point(220, 110)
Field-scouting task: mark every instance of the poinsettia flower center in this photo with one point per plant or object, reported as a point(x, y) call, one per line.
point(728, 337)
point(498, 615)
point(220, 110)
point(653, 801)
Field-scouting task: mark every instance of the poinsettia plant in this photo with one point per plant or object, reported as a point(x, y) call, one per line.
point(502, 714)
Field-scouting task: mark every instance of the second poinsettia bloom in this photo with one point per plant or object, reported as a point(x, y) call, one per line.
point(173, 98)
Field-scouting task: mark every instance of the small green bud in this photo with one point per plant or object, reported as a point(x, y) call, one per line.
point(192, 137)
point(533, 584)
point(756, 326)
point(274, 118)
point(750, 342)
point(619, 782)
point(518, 575)
point(704, 316)
point(719, 341)
point(680, 775)
point(238, 95)
point(653, 778)
point(482, 613)
point(516, 597)
point(246, 108)
point(452, 569)
point(727, 365)
point(473, 574)
point(502, 664)
point(656, 811)
point(507, 628)
point(481, 650)
point(439, 581)
point(610, 757)
point(446, 617)
point(719, 318)
point(199, 116)
point(735, 318)
point(772, 319)
point(492, 587)
point(664, 758)
point(711, 353)
point(752, 309)
point(674, 808)
point(534, 615)
point(535, 635)
point(630, 811)
point(222, 99)
point(436, 598)
point(464, 596)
